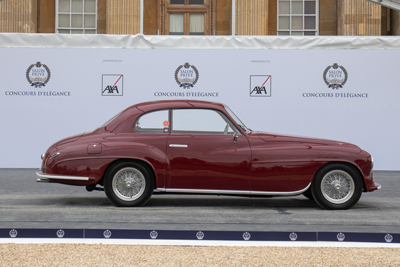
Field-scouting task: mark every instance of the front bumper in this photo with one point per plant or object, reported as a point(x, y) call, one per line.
point(370, 184)
point(376, 186)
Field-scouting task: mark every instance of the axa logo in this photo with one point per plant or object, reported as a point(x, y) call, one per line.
point(260, 85)
point(112, 85)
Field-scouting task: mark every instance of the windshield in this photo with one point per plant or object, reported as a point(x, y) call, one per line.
point(237, 120)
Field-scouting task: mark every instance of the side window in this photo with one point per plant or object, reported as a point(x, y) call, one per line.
point(153, 122)
point(200, 121)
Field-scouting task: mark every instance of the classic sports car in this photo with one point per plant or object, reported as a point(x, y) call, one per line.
point(187, 146)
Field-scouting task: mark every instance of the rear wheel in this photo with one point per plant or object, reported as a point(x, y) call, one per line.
point(337, 186)
point(128, 184)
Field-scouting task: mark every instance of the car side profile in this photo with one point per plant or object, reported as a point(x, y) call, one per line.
point(199, 147)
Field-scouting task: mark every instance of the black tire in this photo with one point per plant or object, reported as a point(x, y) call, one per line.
point(128, 184)
point(336, 187)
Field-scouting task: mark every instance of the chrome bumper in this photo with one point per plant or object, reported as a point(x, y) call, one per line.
point(46, 177)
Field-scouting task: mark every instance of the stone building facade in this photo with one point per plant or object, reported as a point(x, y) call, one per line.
point(200, 17)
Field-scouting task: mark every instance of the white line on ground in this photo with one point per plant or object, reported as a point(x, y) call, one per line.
point(155, 242)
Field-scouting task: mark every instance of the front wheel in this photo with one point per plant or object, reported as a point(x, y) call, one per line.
point(128, 184)
point(337, 187)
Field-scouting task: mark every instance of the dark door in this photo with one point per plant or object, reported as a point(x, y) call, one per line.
point(204, 152)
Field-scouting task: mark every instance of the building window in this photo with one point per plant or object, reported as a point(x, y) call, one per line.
point(76, 16)
point(297, 17)
point(186, 17)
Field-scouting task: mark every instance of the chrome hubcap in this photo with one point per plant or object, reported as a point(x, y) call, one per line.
point(337, 186)
point(128, 184)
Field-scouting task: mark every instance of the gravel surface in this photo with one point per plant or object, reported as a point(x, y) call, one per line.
point(137, 255)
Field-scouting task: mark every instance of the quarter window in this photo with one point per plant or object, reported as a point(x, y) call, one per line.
point(153, 122)
point(298, 17)
point(76, 16)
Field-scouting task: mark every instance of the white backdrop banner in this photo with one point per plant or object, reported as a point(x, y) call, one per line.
point(349, 95)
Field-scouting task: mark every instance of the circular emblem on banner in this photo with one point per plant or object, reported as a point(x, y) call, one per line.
point(335, 76)
point(153, 234)
point(293, 236)
point(13, 233)
point(246, 236)
point(340, 236)
point(60, 233)
point(388, 238)
point(107, 233)
point(38, 74)
point(200, 235)
point(186, 76)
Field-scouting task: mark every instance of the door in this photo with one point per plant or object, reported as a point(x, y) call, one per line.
point(206, 152)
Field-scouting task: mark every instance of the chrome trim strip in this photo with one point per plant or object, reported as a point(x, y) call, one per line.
point(292, 193)
point(62, 177)
point(236, 192)
point(207, 191)
point(55, 155)
point(177, 145)
point(159, 190)
point(290, 160)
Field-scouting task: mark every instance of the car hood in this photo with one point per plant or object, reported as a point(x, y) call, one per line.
point(269, 137)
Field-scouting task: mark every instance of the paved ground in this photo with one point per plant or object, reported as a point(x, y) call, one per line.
point(24, 203)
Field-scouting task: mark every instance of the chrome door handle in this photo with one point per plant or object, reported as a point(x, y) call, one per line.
point(235, 138)
point(177, 145)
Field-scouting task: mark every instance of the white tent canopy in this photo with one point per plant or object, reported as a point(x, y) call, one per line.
point(195, 42)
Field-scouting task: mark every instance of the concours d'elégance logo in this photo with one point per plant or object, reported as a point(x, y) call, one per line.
point(186, 75)
point(335, 76)
point(38, 74)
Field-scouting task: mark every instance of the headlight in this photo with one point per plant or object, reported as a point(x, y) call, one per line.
point(42, 156)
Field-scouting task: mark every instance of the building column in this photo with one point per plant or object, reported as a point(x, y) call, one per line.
point(395, 21)
point(18, 16)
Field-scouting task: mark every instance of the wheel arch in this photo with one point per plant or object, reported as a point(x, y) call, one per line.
point(142, 162)
point(348, 164)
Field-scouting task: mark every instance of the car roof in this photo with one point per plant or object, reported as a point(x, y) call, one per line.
point(134, 111)
point(167, 104)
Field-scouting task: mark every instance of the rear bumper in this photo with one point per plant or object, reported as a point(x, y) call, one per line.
point(48, 177)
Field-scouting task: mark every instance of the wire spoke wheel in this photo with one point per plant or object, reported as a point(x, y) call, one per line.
point(337, 186)
point(128, 184)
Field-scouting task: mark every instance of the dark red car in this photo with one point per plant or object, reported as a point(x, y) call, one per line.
point(188, 146)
